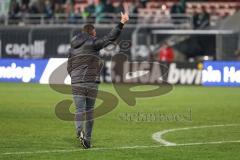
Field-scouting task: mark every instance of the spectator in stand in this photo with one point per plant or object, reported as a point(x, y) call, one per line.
point(195, 16)
point(14, 9)
point(204, 18)
point(48, 10)
point(24, 10)
point(119, 7)
point(89, 12)
point(109, 8)
point(237, 53)
point(37, 6)
point(58, 6)
point(99, 10)
point(166, 53)
point(24, 7)
point(134, 11)
point(59, 1)
point(25, 3)
point(90, 9)
point(69, 9)
point(177, 9)
point(33, 7)
point(143, 3)
point(134, 7)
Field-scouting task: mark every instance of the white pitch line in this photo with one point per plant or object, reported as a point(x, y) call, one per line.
point(75, 150)
point(205, 143)
point(158, 135)
point(115, 148)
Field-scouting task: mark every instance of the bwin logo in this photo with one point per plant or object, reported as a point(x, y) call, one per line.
point(211, 75)
point(231, 75)
point(26, 74)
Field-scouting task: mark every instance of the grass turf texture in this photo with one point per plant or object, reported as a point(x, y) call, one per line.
point(28, 124)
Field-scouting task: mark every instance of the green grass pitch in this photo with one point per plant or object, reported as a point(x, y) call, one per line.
point(29, 128)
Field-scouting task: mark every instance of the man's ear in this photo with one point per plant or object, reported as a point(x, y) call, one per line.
point(94, 33)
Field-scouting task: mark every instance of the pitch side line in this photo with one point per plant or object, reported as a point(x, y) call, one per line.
point(115, 148)
point(158, 135)
point(76, 150)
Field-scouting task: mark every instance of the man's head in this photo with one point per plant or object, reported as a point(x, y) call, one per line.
point(89, 29)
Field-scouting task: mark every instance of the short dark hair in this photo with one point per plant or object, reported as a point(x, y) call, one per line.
point(88, 28)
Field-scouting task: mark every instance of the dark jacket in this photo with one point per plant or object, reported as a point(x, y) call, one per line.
point(84, 63)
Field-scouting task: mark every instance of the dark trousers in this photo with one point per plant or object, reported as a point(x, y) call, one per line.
point(84, 102)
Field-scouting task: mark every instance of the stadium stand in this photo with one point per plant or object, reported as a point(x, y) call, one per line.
point(153, 24)
point(104, 11)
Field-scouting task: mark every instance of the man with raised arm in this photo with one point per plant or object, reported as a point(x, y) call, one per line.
point(84, 66)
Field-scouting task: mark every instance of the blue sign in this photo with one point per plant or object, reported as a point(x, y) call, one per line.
point(221, 73)
point(18, 70)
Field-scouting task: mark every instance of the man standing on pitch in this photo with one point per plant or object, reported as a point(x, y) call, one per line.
point(84, 66)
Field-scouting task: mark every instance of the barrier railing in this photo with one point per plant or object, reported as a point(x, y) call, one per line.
point(174, 20)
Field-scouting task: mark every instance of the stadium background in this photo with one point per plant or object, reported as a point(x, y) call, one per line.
point(168, 31)
point(196, 45)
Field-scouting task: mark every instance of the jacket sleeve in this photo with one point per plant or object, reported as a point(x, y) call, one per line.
point(69, 64)
point(100, 43)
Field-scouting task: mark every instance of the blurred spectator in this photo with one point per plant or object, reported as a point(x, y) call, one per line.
point(195, 19)
point(237, 53)
point(90, 9)
point(166, 53)
point(89, 12)
point(177, 9)
point(99, 10)
point(134, 11)
point(24, 9)
point(134, 7)
point(25, 2)
point(58, 9)
point(109, 8)
point(69, 9)
point(4, 9)
point(48, 10)
point(119, 7)
point(14, 9)
point(37, 6)
point(33, 7)
point(203, 18)
point(183, 5)
point(143, 3)
point(61, 2)
point(58, 6)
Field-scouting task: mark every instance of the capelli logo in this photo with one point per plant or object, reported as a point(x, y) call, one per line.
point(35, 49)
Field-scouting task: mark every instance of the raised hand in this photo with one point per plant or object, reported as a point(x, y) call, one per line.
point(125, 16)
